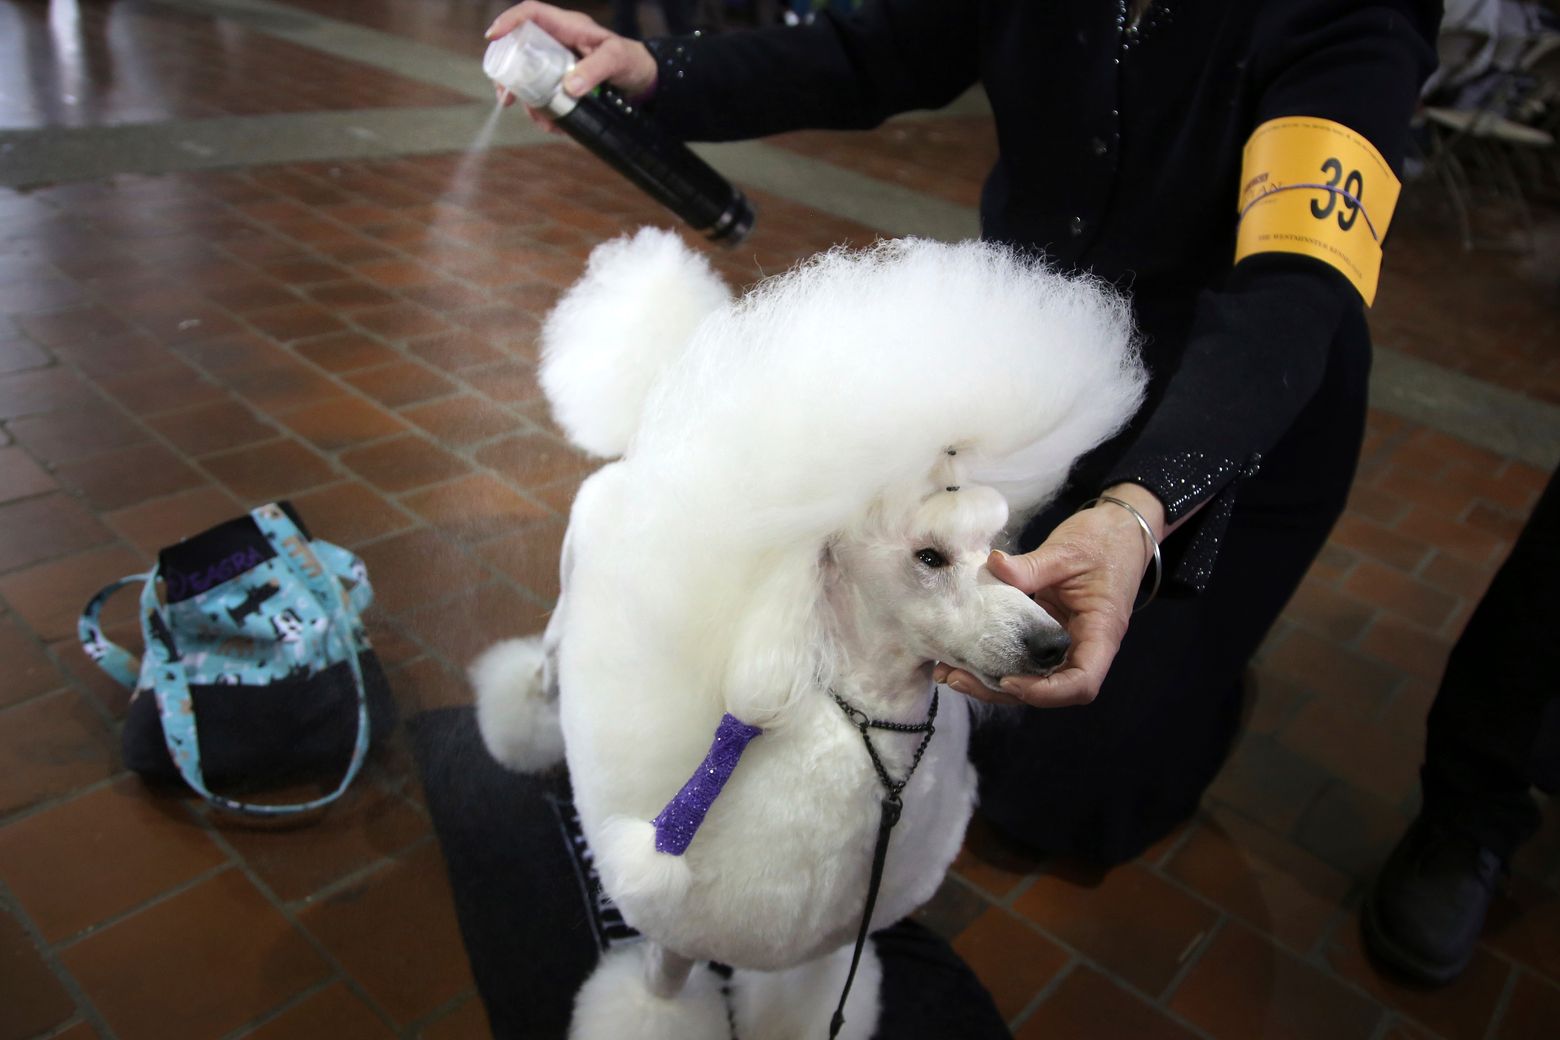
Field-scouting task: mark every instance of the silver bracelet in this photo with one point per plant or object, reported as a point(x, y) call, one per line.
point(1148, 534)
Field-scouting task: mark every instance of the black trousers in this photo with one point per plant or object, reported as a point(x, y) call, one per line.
point(1494, 728)
point(1101, 782)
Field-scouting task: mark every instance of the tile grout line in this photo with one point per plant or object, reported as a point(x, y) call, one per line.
point(84, 1008)
point(319, 948)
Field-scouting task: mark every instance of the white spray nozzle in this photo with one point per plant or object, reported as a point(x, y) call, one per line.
point(530, 63)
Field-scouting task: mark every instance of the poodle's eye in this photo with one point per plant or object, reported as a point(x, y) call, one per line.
point(931, 558)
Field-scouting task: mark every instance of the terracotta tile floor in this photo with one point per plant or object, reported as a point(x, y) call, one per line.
point(359, 336)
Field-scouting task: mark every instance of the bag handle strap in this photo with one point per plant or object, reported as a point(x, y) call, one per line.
point(121, 665)
point(344, 636)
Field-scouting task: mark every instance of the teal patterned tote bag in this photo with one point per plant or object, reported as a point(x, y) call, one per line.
point(257, 669)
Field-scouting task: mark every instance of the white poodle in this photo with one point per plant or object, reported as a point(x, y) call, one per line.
point(808, 482)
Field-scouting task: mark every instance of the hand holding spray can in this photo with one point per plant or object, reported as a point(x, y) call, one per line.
point(532, 65)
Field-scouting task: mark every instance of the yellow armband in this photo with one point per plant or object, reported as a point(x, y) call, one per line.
point(1315, 187)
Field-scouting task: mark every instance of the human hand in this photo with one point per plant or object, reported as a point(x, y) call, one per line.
point(1087, 573)
point(605, 57)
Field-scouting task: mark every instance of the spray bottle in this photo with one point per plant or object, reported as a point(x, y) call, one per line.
point(532, 65)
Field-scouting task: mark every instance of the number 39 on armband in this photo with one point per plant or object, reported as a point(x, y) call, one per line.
point(1315, 187)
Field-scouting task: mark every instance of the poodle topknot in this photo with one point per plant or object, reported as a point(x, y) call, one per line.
point(904, 364)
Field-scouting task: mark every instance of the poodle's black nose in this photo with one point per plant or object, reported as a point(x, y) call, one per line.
point(1047, 649)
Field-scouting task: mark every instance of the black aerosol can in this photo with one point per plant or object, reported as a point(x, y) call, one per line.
point(532, 65)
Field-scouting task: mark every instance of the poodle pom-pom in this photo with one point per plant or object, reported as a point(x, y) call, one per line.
point(632, 870)
point(615, 1003)
point(516, 712)
point(618, 328)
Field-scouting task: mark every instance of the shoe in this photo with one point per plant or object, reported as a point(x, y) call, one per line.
point(1424, 914)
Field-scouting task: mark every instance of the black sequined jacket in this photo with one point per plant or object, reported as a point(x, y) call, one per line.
point(1120, 153)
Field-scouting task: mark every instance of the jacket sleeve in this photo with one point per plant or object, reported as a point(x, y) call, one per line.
point(1260, 341)
point(840, 72)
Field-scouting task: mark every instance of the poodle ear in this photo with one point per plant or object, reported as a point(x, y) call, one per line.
point(618, 328)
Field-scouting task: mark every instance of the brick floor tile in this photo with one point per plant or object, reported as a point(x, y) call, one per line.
point(210, 428)
point(559, 496)
point(53, 861)
point(396, 933)
point(342, 422)
point(510, 382)
point(1267, 781)
point(1503, 523)
point(1350, 830)
point(35, 529)
point(66, 435)
point(32, 998)
point(20, 476)
point(425, 684)
point(467, 1022)
point(1260, 877)
point(43, 390)
point(1133, 922)
point(401, 321)
point(166, 388)
point(366, 825)
point(63, 328)
point(463, 420)
point(1457, 577)
point(352, 294)
point(401, 383)
point(1088, 1004)
point(256, 294)
point(1408, 482)
point(49, 596)
point(462, 627)
point(1533, 1011)
point(349, 513)
point(18, 354)
point(1524, 924)
point(151, 526)
point(403, 463)
point(1459, 1012)
point(229, 356)
point(445, 296)
point(198, 965)
point(345, 352)
point(117, 479)
point(1334, 615)
point(1374, 504)
point(1271, 700)
point(28, 670)
point(270, 471)
point(454, 351)
point(410, 570)
point(989, 863)
point(478, 506)
point(50, 746)
point(334, 1013)
point(534, 459)
point(1013, 961)
point(1370, 539)
point(1244, 986)
point(530, 556)
point(295, 321)
point(1469, 543)
point(85, 673)
point(1405, 596)
point(302, 271)
point(1331, 732)
point(397, 274)
point(283, 388)
point(1329, 669)
point(1408, 648)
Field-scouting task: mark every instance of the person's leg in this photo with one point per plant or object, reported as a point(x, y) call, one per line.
point(1427, 907)
point(1104, 781)
point(1500, 678)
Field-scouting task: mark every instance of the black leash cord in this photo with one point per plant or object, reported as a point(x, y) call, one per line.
point(892, 807)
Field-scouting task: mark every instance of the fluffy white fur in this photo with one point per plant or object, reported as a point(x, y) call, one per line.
point(517, 713)
point(615, 1002)
point(598, 362)
point(764, 539)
